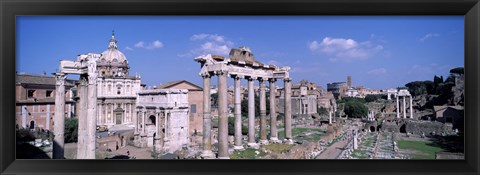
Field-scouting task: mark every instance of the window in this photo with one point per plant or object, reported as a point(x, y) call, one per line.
point(49, 93)
point(193, 108)
point(30, 93)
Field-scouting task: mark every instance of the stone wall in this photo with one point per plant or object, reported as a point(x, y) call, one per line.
point(417, 127)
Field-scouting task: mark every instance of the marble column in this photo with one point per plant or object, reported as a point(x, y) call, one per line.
point(157, 144)
point(273, 114)
point(207, 120)
point(329, 117)
point(355, 139)
point(59, 118)
point(222, 116)
point(143, 122)
point(263, 112)
point(136, 137)
point(251, 113)
point(238, 115)
point(398, 108)
point(82, 117)
point(92, 115)
point(404, 108)
point(411, 107)
point(288, 110)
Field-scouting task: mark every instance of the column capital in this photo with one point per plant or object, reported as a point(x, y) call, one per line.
point(262, 79)
point(206, 75)
point(251, 78)
point(220, 72)
point(60, 78)
point(273, 80)
point(237, 77)
point(287, 79)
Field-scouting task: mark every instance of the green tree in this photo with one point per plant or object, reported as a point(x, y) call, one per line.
point(231, 127)
point(458, 70)
point(416, 88)
point(244, 105)
point(71, 130)
point(214, 100)
point(355, 109)
point(374, 97)
point(322, 111)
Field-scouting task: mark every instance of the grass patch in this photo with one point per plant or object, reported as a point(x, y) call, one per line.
point(248, 153)
point(360, 154)
point(278, 148)
point(297, 134)
point(420, 149)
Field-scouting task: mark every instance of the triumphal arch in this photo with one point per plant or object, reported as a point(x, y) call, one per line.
point(242, 65)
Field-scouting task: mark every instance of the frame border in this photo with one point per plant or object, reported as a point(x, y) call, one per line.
point(10, 9)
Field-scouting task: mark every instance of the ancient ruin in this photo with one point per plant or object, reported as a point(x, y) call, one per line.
point(162, 119)
point(86, 67)
point(242, 65)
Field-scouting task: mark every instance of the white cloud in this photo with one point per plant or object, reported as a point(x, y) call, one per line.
point(428, 36)
point(151, 46)
point(209, 44)
point(128, 48)
point(379, 71)
point(341, 49)
point(215, 48)
point(203, 36)
point(429, 69)
point(140, 44)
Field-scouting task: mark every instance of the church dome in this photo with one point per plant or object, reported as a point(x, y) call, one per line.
point(112, 54)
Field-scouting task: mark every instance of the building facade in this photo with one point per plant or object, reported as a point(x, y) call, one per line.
point(35, 101)
point(116, 89)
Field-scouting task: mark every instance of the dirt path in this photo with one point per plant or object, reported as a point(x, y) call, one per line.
point(333, 151)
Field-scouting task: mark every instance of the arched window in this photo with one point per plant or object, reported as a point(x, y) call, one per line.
point(115, 60)
point(32, 124)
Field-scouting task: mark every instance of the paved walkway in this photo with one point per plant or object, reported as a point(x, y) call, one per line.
point(334, 150)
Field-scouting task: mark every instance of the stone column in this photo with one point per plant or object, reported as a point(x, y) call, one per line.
point(207, 120)
point(143, 123)
point(329, 117)
point(388, 96)
point(238, 115)
point(222, 116)
point(92, 115)
point(158, 146)
point(251, 113)
point(411, 107)
point(288, 110)
point(398, 108)
point(47, 123)
point(404, 108)
point(82, 118)
point(59, 120)
point(355, 139)
point(273, 114)
point(263, 112)
point(136, 137)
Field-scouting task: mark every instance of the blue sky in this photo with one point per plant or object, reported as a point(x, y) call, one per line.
point(378, 52)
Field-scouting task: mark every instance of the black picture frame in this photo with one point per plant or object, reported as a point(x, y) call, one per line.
point(9, 9)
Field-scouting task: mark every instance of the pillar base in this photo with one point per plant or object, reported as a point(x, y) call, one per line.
point(288, 141)
point(263, 142)
point(253, 145)
point(238, 148)
point(207, 154)
point(223, 158)
point(275, 140)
